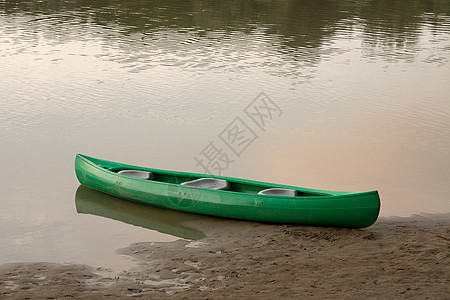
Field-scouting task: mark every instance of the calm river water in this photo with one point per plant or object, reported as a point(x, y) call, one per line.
point(357, 98)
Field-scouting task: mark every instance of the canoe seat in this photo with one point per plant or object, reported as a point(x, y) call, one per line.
point(137, 174)
point(208, 183)
point(279, 192)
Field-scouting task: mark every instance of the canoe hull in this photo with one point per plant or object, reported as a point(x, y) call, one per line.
point(327, 208)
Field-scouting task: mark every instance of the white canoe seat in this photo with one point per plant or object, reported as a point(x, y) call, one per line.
point(279, 192)
point(208, 183)
point(137, 174)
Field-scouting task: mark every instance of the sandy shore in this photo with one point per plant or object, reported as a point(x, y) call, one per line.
point(396, 257)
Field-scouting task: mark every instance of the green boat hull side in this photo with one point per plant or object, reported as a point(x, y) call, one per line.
point(326, 208)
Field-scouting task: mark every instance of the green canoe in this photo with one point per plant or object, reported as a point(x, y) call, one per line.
point(229, 197)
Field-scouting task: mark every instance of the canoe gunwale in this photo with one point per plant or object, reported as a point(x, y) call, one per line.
point(322, 194)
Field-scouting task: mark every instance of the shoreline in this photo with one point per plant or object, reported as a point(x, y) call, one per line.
point(397, 256)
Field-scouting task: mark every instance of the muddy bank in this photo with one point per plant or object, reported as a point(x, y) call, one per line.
point(395, 257)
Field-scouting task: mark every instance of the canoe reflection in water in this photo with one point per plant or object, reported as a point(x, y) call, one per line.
point(89, 201)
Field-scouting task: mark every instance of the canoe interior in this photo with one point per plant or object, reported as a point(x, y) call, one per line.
point(236, 185)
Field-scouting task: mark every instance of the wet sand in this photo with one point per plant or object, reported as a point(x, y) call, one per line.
point(396, 257)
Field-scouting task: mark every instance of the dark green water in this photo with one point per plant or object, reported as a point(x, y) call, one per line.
point(359, 92)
